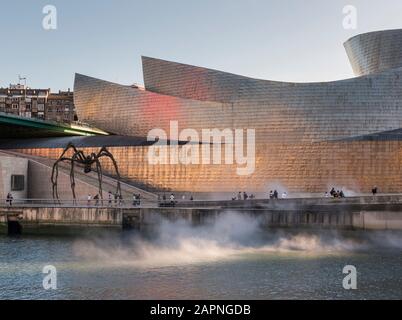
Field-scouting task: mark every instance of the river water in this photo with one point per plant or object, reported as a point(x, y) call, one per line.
point(233, 258)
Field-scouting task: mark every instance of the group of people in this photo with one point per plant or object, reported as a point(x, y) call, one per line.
point(275, 195)
point(164, 201)
point(97, 198)
point(136, 199)
point(243, 196)
point(335, 193)
point(116, 198)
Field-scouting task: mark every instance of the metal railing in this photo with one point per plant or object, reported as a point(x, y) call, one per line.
point(79, 203)
point(93, 203)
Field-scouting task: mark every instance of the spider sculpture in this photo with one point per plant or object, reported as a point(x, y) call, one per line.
point(87, 162)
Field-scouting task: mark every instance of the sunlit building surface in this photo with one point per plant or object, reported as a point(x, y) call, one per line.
point(309, 136)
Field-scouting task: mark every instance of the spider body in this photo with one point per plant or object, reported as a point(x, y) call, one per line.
point(87, 161)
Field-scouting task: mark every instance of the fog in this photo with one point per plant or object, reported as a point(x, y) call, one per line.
point(230, 236)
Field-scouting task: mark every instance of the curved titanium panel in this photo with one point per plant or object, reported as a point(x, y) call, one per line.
point(303, 130)
point(375, 51)
point(356, 166)
point(280, 112)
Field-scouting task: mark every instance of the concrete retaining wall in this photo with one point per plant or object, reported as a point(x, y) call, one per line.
point(32, 219)
point(330, 218)
point(380, 218)
point(12, 166)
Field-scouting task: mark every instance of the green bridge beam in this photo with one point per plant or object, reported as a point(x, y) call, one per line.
point(73, 129)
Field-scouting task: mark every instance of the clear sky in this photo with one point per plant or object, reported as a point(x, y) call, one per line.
point(289, 40)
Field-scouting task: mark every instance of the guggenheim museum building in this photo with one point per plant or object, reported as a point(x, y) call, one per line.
point(307, 137)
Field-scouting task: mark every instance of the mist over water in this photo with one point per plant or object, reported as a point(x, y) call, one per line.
point(231, 236)
point(232, 257)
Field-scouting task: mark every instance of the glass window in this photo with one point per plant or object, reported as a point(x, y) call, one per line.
point(17, 182)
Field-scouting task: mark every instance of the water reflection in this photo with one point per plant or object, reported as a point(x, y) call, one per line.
point(230, 259)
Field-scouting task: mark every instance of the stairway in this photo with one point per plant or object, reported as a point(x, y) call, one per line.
point(91, 178)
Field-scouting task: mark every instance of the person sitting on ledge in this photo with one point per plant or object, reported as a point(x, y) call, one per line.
point(342, 195)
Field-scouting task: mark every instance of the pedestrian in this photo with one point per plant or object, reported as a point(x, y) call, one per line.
point(134, 199)
point(284, 195)
point(96, 198)
point(89, 198)
point(239, 196)
point(245, 195)
point(275, 194)
point(271, 194)
point(110, 198)
point(172, 202)
point(374, 191)
point(9, 199)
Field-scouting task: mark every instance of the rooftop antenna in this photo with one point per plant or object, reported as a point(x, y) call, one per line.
point(22, 78)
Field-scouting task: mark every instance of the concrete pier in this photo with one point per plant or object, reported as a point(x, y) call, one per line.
point(366, 213)
point(63, 219)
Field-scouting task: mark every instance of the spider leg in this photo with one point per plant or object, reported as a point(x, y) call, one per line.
point(55, 166)
point(69, 146)
point(81, 156)
point(105, 153)
point(100, 175)
point(55, 174)
point(72, 180)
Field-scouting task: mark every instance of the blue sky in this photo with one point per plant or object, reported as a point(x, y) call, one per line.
point(289, 40)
